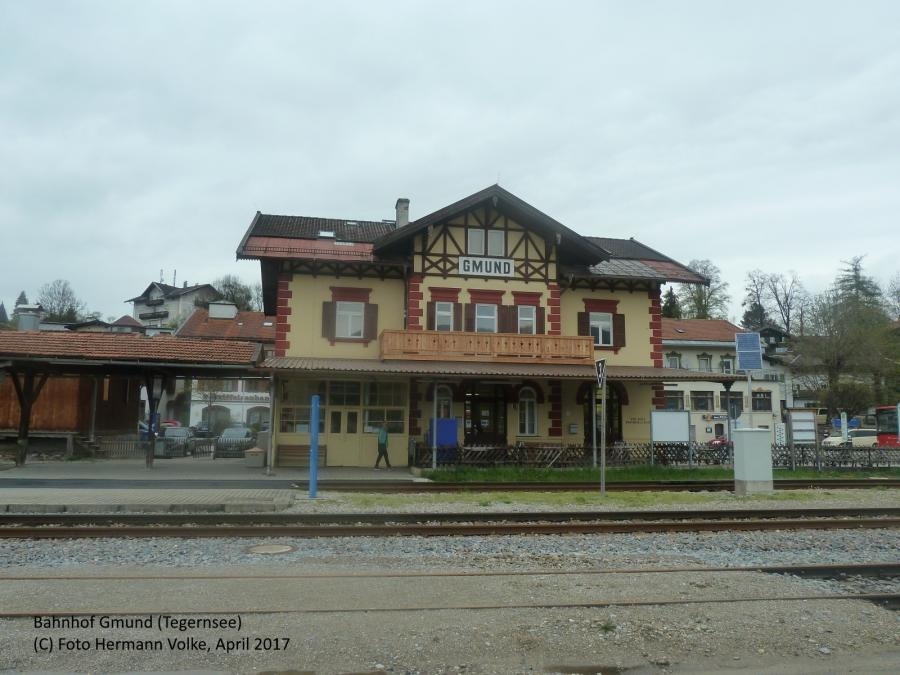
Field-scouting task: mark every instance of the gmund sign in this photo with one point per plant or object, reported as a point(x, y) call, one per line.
point(489, 267)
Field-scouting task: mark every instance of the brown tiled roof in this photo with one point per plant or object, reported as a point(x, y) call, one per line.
point(487, 369)
point(305, 227)
point(713, 330)
point(634, 259)
point(250, 326)
point(124, 347)
point(129, 321)
point(315, 249)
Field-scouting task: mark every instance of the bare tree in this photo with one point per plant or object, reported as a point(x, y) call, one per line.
point(257, 301)
point(60, 302)
point(704, 301)
point(786, 294)
point(236, 291)
point(892, 296)
point(756, 314)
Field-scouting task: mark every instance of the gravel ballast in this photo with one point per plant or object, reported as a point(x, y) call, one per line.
point(773, 635)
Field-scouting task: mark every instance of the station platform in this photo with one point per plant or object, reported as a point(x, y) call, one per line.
point(181, 484)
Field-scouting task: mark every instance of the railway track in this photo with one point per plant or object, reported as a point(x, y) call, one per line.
point(80, 526)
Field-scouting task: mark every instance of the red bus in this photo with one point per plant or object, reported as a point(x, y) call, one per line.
point(886, 419)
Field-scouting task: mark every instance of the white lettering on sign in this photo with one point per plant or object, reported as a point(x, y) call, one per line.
point(488, 267)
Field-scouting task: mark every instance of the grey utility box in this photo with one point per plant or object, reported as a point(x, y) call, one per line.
point(255, 458)
point(752, 461)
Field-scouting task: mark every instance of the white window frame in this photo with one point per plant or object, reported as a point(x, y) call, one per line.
point(527, 412)
point(598, 322)
point(707, 397)
point(704, 364)
point(674, 396)
point(673, 361)
point(349, 314)
point(758, 399)
point(727, 365)
point(443, 309)
point(496, 243)
point(526, 322)
point(475, 242)
point(444, 402)
point(485, 312)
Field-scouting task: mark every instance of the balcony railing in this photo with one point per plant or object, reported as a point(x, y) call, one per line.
point(508, 347)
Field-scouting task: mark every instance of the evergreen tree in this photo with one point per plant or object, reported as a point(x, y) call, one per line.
point(21, 300)
point(4, 318)
point(671, 309)
point(755, 318)
point(855, 286)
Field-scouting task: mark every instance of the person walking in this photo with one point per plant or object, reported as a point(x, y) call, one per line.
point(382, 446)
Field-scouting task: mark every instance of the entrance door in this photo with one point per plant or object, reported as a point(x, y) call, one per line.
point(613, 417)
point(485, 414)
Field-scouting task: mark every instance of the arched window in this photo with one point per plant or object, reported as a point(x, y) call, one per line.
point(527, 412)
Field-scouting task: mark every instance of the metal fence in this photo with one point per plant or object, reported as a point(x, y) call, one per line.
point(546, 455)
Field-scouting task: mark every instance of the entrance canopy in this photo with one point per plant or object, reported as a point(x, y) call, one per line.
point(489, 369)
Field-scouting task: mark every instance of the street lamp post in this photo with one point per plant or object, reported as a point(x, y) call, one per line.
point(154, 383)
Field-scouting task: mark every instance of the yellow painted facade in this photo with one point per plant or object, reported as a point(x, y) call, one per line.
point(434, 269)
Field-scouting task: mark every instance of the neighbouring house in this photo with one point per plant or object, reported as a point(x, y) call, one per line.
point(161, 309)
point(708, 345)
point(164, 306)
point(220, 402)
point(476, 325)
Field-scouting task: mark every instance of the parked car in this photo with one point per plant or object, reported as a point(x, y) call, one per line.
point(856, 438)
point(234, 441)
point(718, 442)
point(863, 438)
point(179, 441)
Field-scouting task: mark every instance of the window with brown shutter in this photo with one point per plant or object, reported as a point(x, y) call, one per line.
point(470, 318)
point(370, 325)
point(540, 321)
point(618, 331)
point(597, 326)
point(329, 317)
point(330, 323)
point(507, 319)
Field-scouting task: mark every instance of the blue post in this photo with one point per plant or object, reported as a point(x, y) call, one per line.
point(314, 447)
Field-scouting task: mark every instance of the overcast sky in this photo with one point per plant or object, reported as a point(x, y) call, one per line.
point(139, 136)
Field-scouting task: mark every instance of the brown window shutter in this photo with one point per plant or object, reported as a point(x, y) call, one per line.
point(584, 323)
point(507, 319)
point(457, 316)
point(470, 318)
point(429, 316)
point(540, 329)
point(370, 318)
point(329, 317)
point(618, 321)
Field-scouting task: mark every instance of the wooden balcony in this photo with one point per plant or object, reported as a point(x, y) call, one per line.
point(507, 347)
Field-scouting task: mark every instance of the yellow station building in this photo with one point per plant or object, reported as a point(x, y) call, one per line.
point(487, 313)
